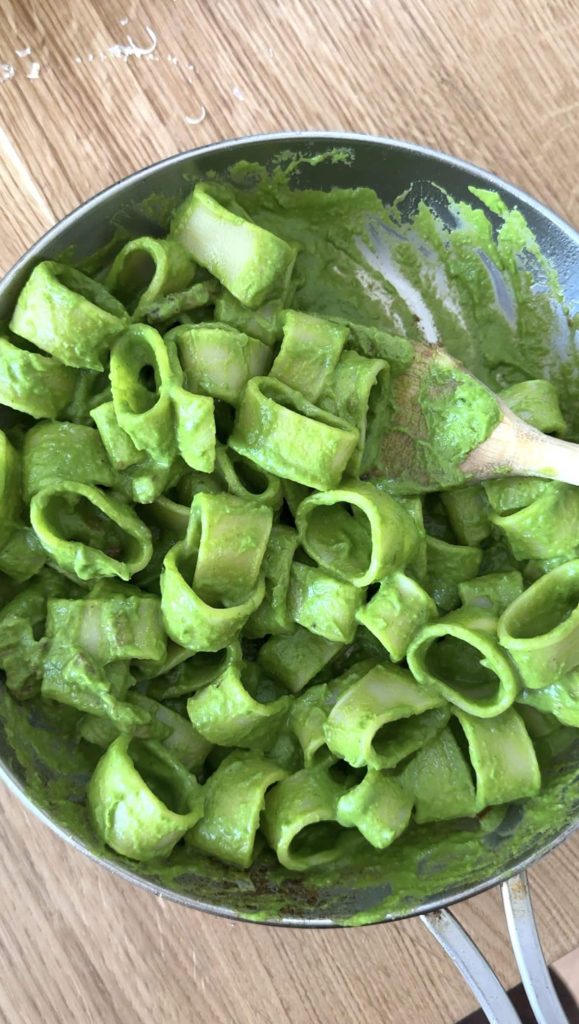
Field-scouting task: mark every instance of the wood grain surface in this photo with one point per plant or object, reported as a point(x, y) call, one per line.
point(494, 81)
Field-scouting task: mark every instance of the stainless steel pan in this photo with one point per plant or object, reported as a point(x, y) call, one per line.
point(422, 874)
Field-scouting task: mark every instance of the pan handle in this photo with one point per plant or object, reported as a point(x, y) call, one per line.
point(475, 969)
point(478, 973)
point(528, 953)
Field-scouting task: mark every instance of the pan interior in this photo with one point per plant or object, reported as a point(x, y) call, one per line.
point(429, 864)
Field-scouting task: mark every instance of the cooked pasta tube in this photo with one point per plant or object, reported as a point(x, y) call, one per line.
point(309, 353)
point(279, 430)
point(502, 756)
point(273, 617)
point(67, 314)
point(548, 526)
point(57, 452)
point(356, 532)
point(217, 360)
point(383, 717)
point(540, 629)
point(234, 800)
point(396, 612)
point(378, 807)
point(144, 370)
point(448, 566)
point(146, 269)
point(440, 782)
point(33, 383)
point(212, 581)
point(358, 391)
point(249, 261)
point(225, 713)
point(142, 800)
point(322, 604)
point(459, 657)
point(300, 819)
point(89, 533)
point(297, 658)
point(495, 591)
point(247, 480)
point(467, 509)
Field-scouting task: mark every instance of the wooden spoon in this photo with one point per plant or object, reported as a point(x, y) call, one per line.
point(447, 428)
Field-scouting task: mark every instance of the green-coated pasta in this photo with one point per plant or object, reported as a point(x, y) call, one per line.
point(548, 526)
point(68, 315)
point(439, 780)
point(273, 617)
point(540, 629)
point(536, 402)
point(297, 658)
point(356, 532)
point(54, 453)
point(195, 429)
point(377, 344)
point(502, 757)
point(146, 269)
point(378, 807)
point(448, 566)
point(358, 391)
point(559, 699)
point(251, 263)
point(277, 428)
point(126, 805)
point(181, 673)
point(211, 583)
point(175, 732)
point(232, 543)
point(310, 710)
point(467, 509)
point(187, 306)
point(307, 719)
point(494, 592)
point(322, 604)
point(512, 493)
point(300, 819)
point(119, 447)
point(225, 713)
point(240, 476)
point(218, 360)
point(418, 565)
point(383, 717)
point(10, 488)
point(113, 623)
point(264, 323)
point(21, 653)
point(396, 612)
point(459, 657)
point(22, 555)
point(234, 799)
point(293, 495)
point(309, 353)
point(144, 370)
point(89, 533)
point(33, 383)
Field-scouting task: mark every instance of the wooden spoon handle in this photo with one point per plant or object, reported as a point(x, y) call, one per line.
point(518, 449)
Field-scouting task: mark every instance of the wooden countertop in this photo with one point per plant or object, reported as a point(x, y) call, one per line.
point(492, 82)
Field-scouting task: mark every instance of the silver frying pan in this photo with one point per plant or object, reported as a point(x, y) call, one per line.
point(425, 871)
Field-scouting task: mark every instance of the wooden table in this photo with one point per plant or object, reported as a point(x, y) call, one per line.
point(80, 106)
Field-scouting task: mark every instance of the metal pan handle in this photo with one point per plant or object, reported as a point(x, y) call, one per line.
point(478, 973)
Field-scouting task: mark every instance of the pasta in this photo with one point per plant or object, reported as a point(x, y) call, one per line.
point(268, 654)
